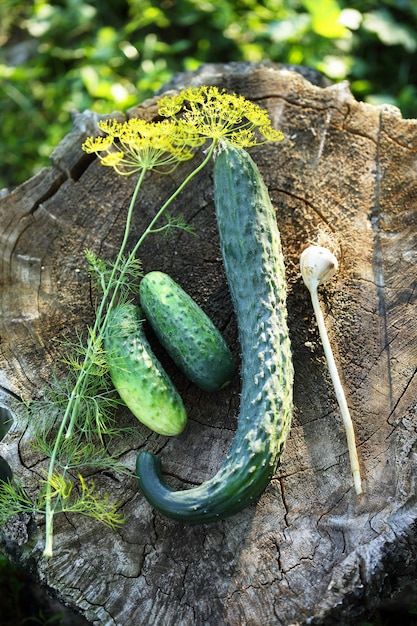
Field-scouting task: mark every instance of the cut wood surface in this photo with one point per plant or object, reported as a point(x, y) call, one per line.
point(309, 551)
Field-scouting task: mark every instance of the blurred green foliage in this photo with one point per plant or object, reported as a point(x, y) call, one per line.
point(62, 55)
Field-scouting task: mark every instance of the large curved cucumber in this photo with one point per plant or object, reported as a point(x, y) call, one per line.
point(250, 244)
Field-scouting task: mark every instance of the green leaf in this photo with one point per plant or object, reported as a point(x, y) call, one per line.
point(389, 31)
point(325, 17)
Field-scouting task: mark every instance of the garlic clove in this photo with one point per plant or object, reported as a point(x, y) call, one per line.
point(317, 265)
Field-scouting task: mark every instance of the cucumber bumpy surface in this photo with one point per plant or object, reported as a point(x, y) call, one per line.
point(186, 332)
point(254, 265)
point(138, 376)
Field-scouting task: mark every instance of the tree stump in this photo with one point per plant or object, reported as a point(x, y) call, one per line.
point(309, 551)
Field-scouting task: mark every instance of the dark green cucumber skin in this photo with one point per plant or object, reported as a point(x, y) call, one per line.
point(186, 332)
point(254, 265)
point(138, 376)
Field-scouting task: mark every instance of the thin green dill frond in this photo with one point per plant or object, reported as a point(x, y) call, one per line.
point(14, 500)
point(80, 497)
point(77, 455)
point(129, 272)
point(98, 269)
point(175, 222)
point(126, 272)
point(78, 354)
point(43, 414)
point(95, 415)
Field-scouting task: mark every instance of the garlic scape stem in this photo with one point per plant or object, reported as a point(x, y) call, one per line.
point(318, 265)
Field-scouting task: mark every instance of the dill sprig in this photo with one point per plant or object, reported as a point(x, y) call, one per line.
point(114, 282)
point(69, 495)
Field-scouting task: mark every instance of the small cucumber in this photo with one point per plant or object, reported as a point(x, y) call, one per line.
point(254, 265)
point(137, 375)
point(186, 332)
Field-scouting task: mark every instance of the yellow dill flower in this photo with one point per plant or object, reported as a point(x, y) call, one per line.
point(209, 113)
point(137, 144)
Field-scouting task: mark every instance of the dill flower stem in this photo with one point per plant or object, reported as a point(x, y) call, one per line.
point(112, 284)
point(71, 412)
point(163, 208)
point(107, 302)
point(101, 318)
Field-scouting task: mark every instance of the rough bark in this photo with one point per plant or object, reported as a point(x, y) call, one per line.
point(309, 551)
